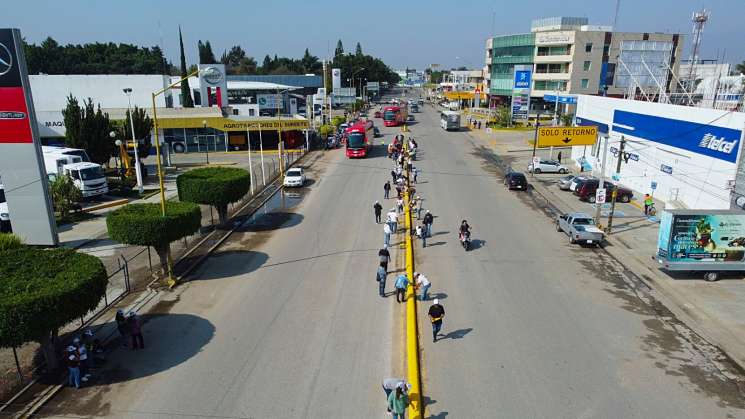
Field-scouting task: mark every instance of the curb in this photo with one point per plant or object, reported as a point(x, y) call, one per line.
point(416, 409)
point(105, 205)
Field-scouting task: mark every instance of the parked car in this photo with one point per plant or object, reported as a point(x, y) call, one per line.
point(548, 166)
point(580, 228)
point(564, 182)
point(410, 118)
point(586, 191)
point(577, 181)
point(294, 177)
point(378, 114)
point(516, 180)
point(4, 215)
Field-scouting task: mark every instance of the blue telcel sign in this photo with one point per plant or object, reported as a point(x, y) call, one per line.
point(522, 79)
point(717, 142)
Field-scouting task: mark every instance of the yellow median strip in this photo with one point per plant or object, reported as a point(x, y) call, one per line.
point(412, 336)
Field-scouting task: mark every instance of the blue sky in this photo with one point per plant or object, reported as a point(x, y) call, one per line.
point(403, 33)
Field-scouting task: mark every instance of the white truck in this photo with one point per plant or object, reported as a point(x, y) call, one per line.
point(580, 228)
point(4, 215)
point(88, 177)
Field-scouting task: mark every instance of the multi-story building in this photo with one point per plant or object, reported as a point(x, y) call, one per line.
point(569, 56)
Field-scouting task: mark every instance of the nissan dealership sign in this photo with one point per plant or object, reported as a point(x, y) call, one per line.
point(21, 165)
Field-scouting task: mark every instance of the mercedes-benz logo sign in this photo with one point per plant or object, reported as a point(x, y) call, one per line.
point(336, 72)
point(212, 75)
point(6, 60)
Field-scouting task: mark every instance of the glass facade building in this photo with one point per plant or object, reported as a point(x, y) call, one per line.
point(506, 52)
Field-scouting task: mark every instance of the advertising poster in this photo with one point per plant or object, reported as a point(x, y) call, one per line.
point(704, 238)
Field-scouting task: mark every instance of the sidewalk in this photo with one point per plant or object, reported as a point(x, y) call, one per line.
point(716, 311)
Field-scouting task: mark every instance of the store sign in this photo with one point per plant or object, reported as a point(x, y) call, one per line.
point(709, 140)
point(335, 78)
point(520, 105)
point(270, 101)
point(213, 86)
point(554, 38)
point(21, 165)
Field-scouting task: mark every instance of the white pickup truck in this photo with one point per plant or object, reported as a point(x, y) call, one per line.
point(580, 228)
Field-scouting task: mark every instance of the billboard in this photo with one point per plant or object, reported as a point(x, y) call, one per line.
point(21, 166)
point(270, 101)
point(335, 78)
point(702, 237)
point(521, 92)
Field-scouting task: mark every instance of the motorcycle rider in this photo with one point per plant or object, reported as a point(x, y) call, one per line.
point(465, 230)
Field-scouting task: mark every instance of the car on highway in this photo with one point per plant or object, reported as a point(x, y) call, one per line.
point(294, 177)
point(410, 118)
point(564, 182)
point(586, 191)
point(580, 228)
point(516, 180)
point(548, 166)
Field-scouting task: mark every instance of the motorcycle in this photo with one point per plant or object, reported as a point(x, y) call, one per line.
point(465, 240)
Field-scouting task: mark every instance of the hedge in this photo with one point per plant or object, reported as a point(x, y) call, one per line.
point(213, 185)
point(43, 290)
point(9, 241)
point(143, 224)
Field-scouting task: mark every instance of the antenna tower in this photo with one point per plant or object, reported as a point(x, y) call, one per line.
point(699, 20)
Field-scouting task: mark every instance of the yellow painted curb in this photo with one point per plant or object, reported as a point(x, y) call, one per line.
point(636, 203)
point(106, 205)
point(412, 336)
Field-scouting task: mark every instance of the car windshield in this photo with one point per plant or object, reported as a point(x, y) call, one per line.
point(80, 153)
point(518, 176)
point(356, 140)
point(389, 115)
point(294, 173)
point(91, 173)
point(583, 221)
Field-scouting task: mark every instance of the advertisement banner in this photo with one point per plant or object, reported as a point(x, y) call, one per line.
point(270, 101)
point(24, 176)
point(520, 105)
point(335, 78)
point(702, 237)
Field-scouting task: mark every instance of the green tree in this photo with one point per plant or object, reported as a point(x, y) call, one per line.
point(144, 225)
point(206, 56)
point(325, 130)
point(88, 128)
point(64, 194)
point(339, 49)
point(310, 63)
point(504, 118)
point(73, 119)
point(358, 50)
point(186, 99)
point(44, 290)
point(740, 68)
point(215, 186)
point(566, 119)
point(143, 127)
point(237, 62)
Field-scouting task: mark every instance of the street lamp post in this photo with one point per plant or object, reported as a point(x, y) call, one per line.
point(279, 132)
point(204, 125)
point(355, 88)
point(128, 91)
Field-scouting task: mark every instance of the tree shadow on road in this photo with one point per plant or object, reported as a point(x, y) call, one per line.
point(229, 263)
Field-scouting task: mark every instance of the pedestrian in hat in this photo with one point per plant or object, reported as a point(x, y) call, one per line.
point(428, 220)
point(436, 314)
point(391, 384)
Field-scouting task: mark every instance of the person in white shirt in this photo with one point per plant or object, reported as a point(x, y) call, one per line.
point(387, 233)
point(422, 281)
point(393, 220)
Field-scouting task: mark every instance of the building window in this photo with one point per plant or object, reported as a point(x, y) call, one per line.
point(588, 47)
point(552, 85)
point(585, 83)
point(587, 65)
point(557, 50)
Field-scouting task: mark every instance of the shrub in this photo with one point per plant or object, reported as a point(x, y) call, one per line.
point(337, 120)
point(42, 291)
point(9, 241)
point(216, 186)
point(144, 225)
point(326, 130)
point(64, 194)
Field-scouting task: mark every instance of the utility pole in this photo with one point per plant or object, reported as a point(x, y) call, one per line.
point(601, 183)
point(535, 142)
point(615, 188)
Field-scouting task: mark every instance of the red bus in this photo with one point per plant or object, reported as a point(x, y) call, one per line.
point(359, 139)
point(394, 116)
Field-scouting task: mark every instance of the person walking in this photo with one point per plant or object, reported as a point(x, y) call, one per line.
point(393, 176)
point(378, 210)
point(390, 384)
point(381, 277)
point(558, 157)
point(416, 174)
point(393, 220)
point(398, 401)
point(135, 330)
point(121, 326)
point(418, 207)
point(436, 313)
point(421, 281)
point(73, 367)
point(400, 205)
point(420, 235)
point(82, 358)
point(648, 202)
point(387, 234)
point(401, 283)
point(385, 256)
point(387, 190)
point(428, 220)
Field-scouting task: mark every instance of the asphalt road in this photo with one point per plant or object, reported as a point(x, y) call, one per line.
point(535, 327)
point(284, 321)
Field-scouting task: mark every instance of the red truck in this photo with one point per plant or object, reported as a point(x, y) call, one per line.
point(359, 139)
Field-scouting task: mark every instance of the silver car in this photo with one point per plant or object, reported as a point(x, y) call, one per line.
point(564, 182)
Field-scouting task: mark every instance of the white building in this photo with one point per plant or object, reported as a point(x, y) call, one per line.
point(687, 157)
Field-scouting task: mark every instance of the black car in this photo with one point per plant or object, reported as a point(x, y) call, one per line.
point(516, 180)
